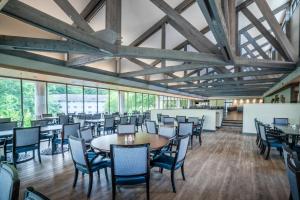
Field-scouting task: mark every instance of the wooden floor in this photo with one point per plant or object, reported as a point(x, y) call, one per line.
point(226, 166)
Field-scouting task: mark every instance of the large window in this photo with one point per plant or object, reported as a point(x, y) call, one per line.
point(145, 102)
point(139, 102)
point(103, 101)
point(183, 103)
point(57, 98)
point(10, 98)
point(129, 102)
point(75, 99)
point(165, 102)
point(151, 101)
point(90, 100)
point(113, 101)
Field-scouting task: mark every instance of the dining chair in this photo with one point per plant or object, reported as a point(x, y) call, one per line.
point(186, 129)
point(126, 129)
point(86, 134)
point(130, 166)
point(2, 149)
point(24, 140)
point(9, 182)
point(258, 138)
point(181, 119)
point(86, 162)
point(123, 120)
point(151, 127)
point(194, 120)
point(4, 120)
point(167, 131)
point(140, 122)
point(97, 116)
point(269, 140)
point(281, 121)
point(133, 120)
point(108, 116)
point(8, 126)
point(168, 162)
point(293, 172)
point(31, 194)
point(158, 117)
point(109, 125)
point(197, 130)
point(63, 119)
point(162, 118)
point(67, 131)
point(168, 120)
point(45, 136)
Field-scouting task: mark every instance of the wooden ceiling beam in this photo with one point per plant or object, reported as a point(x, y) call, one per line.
point(256, 46)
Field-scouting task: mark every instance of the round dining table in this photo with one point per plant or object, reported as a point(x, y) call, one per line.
point(103, 143)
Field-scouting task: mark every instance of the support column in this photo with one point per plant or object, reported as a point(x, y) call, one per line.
point(122, 102)
point(40, 98)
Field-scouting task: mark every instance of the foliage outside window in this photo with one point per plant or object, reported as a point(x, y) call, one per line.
point(151, 101)
point(90, 100)
point(139, 102)
point(145, 102)
point(113, 101)
point(75, 99)
point(129, 102)
point(57, 99)
point(103, 101)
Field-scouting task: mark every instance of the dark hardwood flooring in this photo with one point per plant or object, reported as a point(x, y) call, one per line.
point(226, 166)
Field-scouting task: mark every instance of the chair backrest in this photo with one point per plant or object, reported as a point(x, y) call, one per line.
point(70, 130)
point(8, 126)
point(256, 125)
point(132, 120)
point(41, 122)
point(78, 151)
point(26, 136)
point(9, 182)
point(147, 116)
point(169, 120)
point(126, 129)
point(182, 149)
point(162, 118)
point(281, 121)
point(151, 127)
point(47, 115)
point(130, 160)
point(63, 119)
point(124, 120)
point(262, 131)
point(86, 134)
point(109, 122)
point(287, 151)
point(194, 120)
point(32, 194)
point(4, 120)
point(158, 117)
point(294, 176)
point(180, 119)
point(108, 116)
point(167, 131)
point(185, 128)
point(140, 119)
point(97, 116)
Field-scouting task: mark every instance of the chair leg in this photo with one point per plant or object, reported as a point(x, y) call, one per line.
point(161, 170)
point(172, 180)
point(148, 188)
point(200, 140)
point(182, 172)
point(113, 190)
point(191, 141)
point(39, 155)
point(75, 177)
point(62, 149)
point(106, 176)
point(268, 152)
point(263, 148)
point(90, 183)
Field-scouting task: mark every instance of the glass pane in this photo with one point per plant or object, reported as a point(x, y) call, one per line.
point(57, 98)
point(75, 99)
point(139, 102)
point(103, 101)
point(145, 102)
point(129, 102)
point(33, 100)
point(90, 100)
point(113, 101)
point(10, 98)
point(165, 104)
point(151, 101)
point(161, 102)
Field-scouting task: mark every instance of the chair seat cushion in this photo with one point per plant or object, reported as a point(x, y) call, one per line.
point(276, 144)
point(59, 140)
point(164, 161)
point(130, 180)
point(98, 162)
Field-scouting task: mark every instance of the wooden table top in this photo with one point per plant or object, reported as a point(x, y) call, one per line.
point(103, 143)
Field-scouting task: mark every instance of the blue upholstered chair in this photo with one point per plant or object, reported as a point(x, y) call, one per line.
point(24, 140)
point(126, 129)
point(158, 117)
point(108, 126)
point(86, 162)
point(268, 140)
point(181, 119)
point(140, 122)
point(44, 136)
point(171, 163)
point(63, 119)
point(151, 127)
point(67, 131)
point(197, 130)
point(32, 194)
point(281, 121)
point(86, 134)
point(186, 129)
point(167, 131)
point(9, 182)
point(194, 120)
point(168, 121)
point(293, 172)
point(133, 120)
point(124, 120)
point(130, 166)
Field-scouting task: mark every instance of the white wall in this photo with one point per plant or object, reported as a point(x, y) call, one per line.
point(210, 122)
point(266, 113)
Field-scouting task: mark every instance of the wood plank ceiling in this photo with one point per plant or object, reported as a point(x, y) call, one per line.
point(229, 62)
